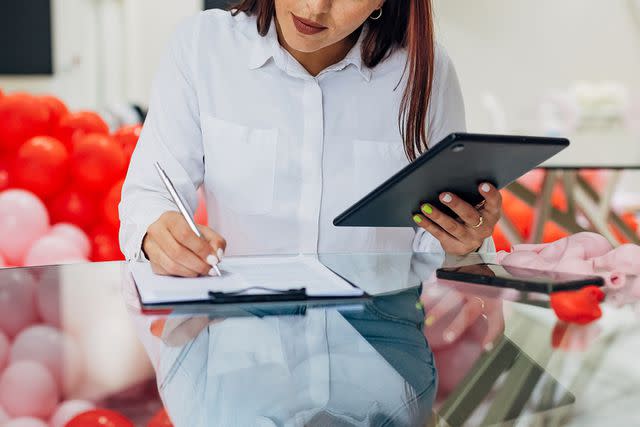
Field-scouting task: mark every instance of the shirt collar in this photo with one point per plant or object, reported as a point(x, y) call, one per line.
point(268, 47)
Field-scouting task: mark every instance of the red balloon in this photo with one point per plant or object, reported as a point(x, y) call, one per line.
point(73, 206)
point(500, 240)
point(553, 232)
point(128, 135)
point(104, 244)
point(558, 198)
point(100, 418)
point(41, 166)
point(110, 206)
point(75, 125)
point(98, 162)
point(160, 419)
point(582, 306)
point(57, 109)
point(22, 117)
point(128, 138)
point(6, 166)
point(518, 212)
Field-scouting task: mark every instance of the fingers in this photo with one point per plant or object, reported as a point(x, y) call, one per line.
point(216, 241)
point(174, 249)
point(492, 197)
point(448, 224)
point(183, 235)
point(495, 327)
point(178, 252)
point(164, 265)
point(477, 223)
point(469, 313)
point(449, 243)
point(464, 210)
point(454, 237)
point(179, 331)
point(451, 301)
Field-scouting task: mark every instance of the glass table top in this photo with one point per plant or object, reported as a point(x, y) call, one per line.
point(421, 352)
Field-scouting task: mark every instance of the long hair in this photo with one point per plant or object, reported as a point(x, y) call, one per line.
point(404, 24)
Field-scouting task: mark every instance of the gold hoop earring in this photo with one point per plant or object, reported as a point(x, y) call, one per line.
point(378, 16)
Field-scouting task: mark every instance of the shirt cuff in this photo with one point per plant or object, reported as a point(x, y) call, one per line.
point(136, 242)
point(488, 246)
point(133, 230)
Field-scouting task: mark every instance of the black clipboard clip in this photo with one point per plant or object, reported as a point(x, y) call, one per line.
point(275, 295)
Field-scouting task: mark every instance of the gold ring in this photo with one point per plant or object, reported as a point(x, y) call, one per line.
point(480, 222)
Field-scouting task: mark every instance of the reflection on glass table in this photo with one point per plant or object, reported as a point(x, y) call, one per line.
point(421, 352)
point(485, 378)
point(67, 346)
point(351, 367)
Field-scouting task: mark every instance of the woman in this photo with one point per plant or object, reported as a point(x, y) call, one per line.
point(288, 111)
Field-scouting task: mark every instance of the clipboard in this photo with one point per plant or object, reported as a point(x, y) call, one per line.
point(328, 288)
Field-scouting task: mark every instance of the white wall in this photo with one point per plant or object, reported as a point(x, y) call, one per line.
point(149, 24)
point(74, 48)
point(518, 49)
point(513, 48)
point(106, 51)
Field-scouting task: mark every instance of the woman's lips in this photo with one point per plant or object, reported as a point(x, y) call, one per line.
point(307, 27)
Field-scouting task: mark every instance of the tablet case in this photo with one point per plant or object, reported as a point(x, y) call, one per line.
point(458, 164)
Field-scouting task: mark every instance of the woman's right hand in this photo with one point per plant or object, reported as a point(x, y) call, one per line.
point(174, 249)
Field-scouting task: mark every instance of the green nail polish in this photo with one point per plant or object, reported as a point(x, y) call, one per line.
point(427, 209)
point(417, 219)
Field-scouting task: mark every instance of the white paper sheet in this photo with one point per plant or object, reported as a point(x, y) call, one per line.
point(276, 273)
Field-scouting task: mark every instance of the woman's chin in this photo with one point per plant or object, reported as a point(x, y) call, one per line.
point(303, 43)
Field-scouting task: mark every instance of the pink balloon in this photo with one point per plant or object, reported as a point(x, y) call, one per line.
point(3, 416)
point(4, 350)
point(52, 249)
point(17, 301)
point(73, 235)
point(25, 422)
point(23, 220)
point(48, 297)
point(69, 409)
point(27, 389)
point(2, 261)
point(53, 349)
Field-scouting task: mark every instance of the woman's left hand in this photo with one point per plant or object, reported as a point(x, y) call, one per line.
point(467, 233)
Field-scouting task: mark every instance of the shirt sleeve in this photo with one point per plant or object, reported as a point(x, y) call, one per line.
point(446, 115)
point(171, 136)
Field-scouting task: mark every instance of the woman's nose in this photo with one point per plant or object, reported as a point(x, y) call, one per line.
point(319, 7)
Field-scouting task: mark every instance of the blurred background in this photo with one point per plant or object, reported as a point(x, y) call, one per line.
point(75, 77)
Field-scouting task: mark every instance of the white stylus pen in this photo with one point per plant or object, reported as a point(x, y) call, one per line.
point(181, 206)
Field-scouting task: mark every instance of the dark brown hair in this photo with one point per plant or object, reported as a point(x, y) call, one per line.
point(404, 24)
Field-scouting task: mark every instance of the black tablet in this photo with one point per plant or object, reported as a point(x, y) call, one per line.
point(522, 279)
point(458, 164)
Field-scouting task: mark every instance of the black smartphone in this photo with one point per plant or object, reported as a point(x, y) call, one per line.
point(522, 279)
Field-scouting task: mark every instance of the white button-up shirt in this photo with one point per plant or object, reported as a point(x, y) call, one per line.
point(279, 152)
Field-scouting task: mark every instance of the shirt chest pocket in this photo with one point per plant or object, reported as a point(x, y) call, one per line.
point(240, 164)
point(374, 162)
